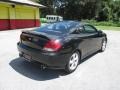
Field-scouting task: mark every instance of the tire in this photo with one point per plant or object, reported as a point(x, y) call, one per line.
point(103, 46)
point(73, 62)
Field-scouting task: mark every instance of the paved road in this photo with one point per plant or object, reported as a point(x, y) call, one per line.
point(99, 72)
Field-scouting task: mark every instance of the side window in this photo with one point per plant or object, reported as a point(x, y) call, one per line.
point(89, 29)
point(80, 29)
point(77, 30)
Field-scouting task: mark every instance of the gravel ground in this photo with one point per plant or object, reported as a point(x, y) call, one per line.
point(99, 72)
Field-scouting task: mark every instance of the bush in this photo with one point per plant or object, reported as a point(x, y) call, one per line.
point(43, 20)
point(102, 23)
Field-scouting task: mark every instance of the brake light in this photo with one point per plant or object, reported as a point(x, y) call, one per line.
point(52, 45)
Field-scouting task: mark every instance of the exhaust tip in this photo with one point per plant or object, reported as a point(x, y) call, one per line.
point(43, 66)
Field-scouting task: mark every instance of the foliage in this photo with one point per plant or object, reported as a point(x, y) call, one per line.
point(110, 10)
point(100, 10)
point(102, 23)
point(43, 20)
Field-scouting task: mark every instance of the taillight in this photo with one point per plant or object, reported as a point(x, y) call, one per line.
point(52, 45)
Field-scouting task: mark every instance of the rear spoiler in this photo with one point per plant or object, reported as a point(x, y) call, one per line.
point(40, 34)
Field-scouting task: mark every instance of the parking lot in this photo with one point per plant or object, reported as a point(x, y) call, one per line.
point(99, 72)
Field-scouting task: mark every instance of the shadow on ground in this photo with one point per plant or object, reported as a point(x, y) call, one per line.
point(34, 71)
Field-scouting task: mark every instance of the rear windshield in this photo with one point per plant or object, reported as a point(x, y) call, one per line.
point(60, 27)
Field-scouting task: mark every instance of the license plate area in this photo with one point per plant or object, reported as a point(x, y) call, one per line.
point(27, 57)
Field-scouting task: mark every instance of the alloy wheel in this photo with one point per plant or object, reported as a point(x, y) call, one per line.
point(104, 45)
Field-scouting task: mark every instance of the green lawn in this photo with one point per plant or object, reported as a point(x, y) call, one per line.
point(108, 28)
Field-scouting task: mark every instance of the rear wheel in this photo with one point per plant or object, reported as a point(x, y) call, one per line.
point(73, 62)
point(103, 47)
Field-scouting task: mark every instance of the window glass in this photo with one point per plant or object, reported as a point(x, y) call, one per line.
point(89, 29)
point(60, 27)
point(77, 30)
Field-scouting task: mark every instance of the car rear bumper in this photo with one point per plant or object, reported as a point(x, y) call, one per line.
point(51, 60)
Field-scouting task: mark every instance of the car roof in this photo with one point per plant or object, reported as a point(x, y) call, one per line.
point(73, 21)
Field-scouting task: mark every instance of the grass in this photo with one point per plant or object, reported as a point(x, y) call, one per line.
point(104, 25)
point(108, 28)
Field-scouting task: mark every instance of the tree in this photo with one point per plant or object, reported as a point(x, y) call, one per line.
point(104, 10)
point(109, 11)
point(79, 9)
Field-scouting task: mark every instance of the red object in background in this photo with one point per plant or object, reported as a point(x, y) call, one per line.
point(37, 23)
point(21, 23)
point(4, 24)
point(12, 24)
point(7, 24)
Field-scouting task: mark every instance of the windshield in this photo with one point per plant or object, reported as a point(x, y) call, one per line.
point(60, 27)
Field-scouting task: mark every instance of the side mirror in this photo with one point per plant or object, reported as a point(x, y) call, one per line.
point(100, 33)
point(77, 31)
point(80, 29)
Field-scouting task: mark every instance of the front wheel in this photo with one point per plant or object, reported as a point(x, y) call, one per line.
point(73, 62)
point(103, 47)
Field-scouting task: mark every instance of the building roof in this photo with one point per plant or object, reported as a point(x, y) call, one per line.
point(25, 2)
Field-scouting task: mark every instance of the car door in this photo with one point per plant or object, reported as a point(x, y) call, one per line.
point(93, 38)
point(82, 39)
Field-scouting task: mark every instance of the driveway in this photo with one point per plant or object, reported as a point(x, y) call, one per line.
point(99, 72)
